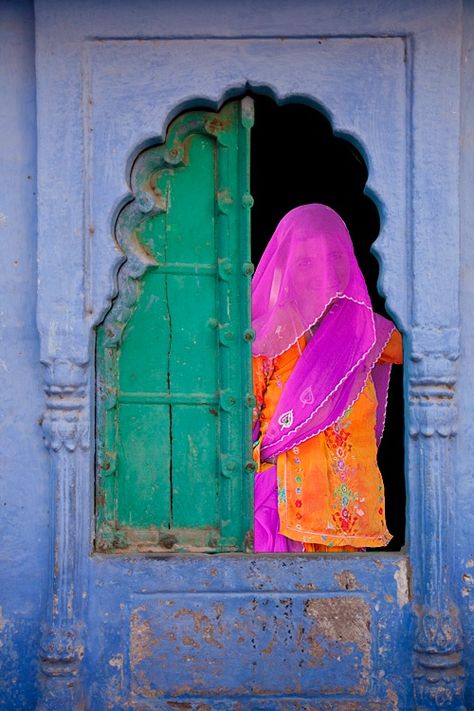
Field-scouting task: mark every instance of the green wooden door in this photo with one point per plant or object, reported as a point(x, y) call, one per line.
point(174, 468)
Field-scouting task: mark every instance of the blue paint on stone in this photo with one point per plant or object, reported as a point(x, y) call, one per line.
point(24, 506)
point(227, 620)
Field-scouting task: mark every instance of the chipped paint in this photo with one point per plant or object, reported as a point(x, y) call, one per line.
point(3, 621)
point(328, 638)
point(306, 587)
point(391, 703)
point(202, 626)
point(346, 580)
point(402, 580)
point(190, 642)
point(142, 641)
point(341, 627)
point(117, 662)
point(345, 620)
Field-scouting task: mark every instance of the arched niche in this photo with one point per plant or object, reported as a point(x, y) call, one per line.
point(134, 412)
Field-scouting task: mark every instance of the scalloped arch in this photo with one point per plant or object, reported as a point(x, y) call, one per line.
point(152, 149)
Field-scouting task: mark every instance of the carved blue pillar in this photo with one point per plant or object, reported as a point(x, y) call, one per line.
point(66, 436)
point(438, 672)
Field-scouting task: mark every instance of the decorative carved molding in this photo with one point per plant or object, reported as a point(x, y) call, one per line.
point(61, 652)
point(66, 436)
point(429, 342)
point(439, 633)
point(146, 200)
point(438, 672)
point(60, 656)
point(65, 421)
point(432, 413)
point(432, 382)
point(439, 676)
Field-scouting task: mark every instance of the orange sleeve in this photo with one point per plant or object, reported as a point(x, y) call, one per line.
point(393, 351)
point(262, 368)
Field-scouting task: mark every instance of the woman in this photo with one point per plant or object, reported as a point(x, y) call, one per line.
point(321, 369)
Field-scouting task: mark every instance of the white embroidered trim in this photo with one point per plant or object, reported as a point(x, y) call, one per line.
point(334, 298)
point(303, 439)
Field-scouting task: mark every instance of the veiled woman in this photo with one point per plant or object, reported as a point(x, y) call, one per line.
point(321, 370)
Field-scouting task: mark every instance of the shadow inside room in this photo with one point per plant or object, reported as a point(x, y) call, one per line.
point(296, 159)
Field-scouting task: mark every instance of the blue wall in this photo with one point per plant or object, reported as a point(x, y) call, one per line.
point(23, 461)
point(464, 495)
point(24, 464)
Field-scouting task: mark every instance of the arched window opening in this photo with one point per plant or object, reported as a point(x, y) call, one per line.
point(297, 159)
point(173, 374)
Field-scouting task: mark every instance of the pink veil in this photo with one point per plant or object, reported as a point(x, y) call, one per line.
point(308, 277)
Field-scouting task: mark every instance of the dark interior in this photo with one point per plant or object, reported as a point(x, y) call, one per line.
point(296, 159)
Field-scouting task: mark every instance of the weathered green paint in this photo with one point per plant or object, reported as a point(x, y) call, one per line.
point(173, 353)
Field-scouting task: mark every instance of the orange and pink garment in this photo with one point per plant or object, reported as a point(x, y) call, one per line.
point(322, 361)
point(330, 491)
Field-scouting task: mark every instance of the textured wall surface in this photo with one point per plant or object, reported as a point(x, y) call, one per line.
point(79, 630)
point(463, 554)
point(24, 506)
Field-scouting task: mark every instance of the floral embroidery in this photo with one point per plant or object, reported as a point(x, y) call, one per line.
point(337, 471)
point(345, 495)
point(347, 508)
point(263, 368)
point(282, 494)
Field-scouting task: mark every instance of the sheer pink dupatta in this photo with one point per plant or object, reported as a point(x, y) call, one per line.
point(308, 278)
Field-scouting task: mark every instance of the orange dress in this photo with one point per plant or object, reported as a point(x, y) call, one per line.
point(330, 490)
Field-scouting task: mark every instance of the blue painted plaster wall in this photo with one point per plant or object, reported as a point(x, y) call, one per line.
point(24, 506)
point(464, 536)
point(23, 463)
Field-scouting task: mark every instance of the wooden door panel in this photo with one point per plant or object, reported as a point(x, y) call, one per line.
point(143, 461)
point(173, 378)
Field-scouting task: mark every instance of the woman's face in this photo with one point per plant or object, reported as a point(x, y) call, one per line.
point(320, 265)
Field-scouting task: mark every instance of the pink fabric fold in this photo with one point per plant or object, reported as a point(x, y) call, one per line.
point(308, 263)
point(308, 280)
point(266, 520)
